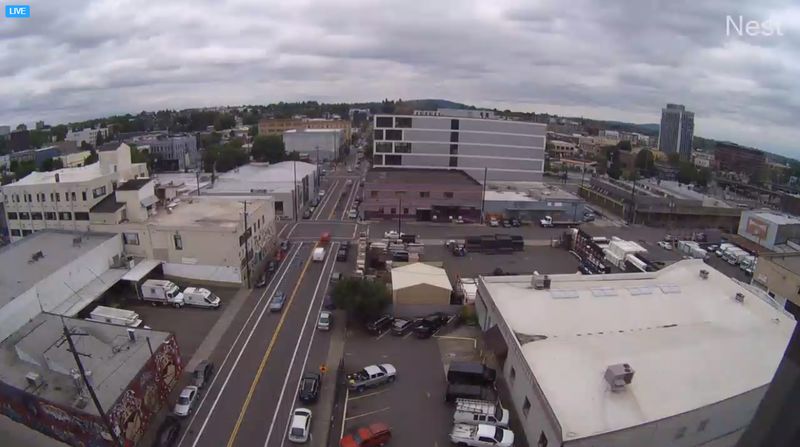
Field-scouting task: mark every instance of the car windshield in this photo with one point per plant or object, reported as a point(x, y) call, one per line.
point(400, 323)
point(323, 318)
point(182, 400)
point(498, 434)
point(498, 412)
point(297, 431)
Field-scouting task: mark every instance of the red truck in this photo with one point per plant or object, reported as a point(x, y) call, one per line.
point(377, 434)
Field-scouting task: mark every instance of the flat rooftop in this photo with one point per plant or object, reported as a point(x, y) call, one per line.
point(133, 184)
point(420, 176)
point(211, 212)
point(105, 350)
point(17, 274)
point(682, 335)
point(527, 192)
point(777, 219)
point(65, 175)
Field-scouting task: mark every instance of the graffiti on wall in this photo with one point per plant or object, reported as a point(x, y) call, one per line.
point(757, 228)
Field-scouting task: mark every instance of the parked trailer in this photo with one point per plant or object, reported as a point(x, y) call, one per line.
point(112, 315)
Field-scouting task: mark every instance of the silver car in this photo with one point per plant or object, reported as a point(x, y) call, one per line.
point(186, 401)
point(324, 321)
point(300, 426)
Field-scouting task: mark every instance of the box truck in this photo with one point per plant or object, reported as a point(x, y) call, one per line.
point(318, 255)
point(112, 315)
point(162, 291)
point(200, 297)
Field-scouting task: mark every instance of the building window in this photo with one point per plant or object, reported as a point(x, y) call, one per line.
point(542, 440)
point(83, 194)
point(680, 433)
point(526, 407)
point(373, 194)
point(279, 208)
point(26, 232)
point(454, 137)
point(383, 121)
point(703, 424)
point(454, 149)
point(425, 194)
point(28, 198)
point(36, 216)
point(24, 216)
point(513, 374)
point(377, 160)
point(378, 134)
point(74, 196)
point(454, 124)
point(12, 216)
point(453, 162)
point(79, 215)
point(99, 192)
point(15, 232)
point(399, 193)
point(394, 211)
point(178, 241)
point(48, 215)
point(383, 147)
point(405, 210)
point(58, 197)
point(448, 195)
point(394, 134)
point(402, 122)
point(393, 160)
point(64, 215)
point(130, 238)
point(402, 148)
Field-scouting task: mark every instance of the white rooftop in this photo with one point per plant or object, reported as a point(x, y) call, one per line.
point(419, 273)
point(690, 343)
point(302, 131)
point(778, 219)
point(211, 212)
point(66, 175)
point(508, 196)
point(262, 178)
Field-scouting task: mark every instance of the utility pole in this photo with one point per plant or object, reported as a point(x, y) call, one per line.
point(103, 416)
point(483, 196)
point(246, 240)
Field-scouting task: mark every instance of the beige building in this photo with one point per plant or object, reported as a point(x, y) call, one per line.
point(562, 149)
point(419, 283)
point(277, 126)
point(74, 160)
point(779, 275)
point(62, 199)
point(201, 238)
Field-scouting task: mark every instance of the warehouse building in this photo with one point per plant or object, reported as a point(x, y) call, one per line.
point(680, 356)
point(772, 231)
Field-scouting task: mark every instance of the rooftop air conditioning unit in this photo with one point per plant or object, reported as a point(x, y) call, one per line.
point(34, 380)
point(739, 297)
point(540, 282)
point(704, 274)
point(619, 375)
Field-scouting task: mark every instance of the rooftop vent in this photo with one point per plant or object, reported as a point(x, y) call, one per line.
point(36, 256)
point(739, 297)
point(619, 375)
point(34, 380)
point(540, 282)
point(704, 274)
point(132, 335)
point(76, 241)
point(58, 178)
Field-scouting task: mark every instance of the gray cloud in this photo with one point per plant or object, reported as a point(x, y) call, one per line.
point(622, 59)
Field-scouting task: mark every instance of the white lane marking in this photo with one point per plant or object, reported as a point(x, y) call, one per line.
point(361, 396)
point(325, 200)
point(344, 411)
point(367, 413)
point(382, 334)
point(239, 356)
point(297, 345)
point(350, 200)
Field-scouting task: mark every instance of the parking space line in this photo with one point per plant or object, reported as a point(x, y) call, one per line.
point(382, 334)
point(366, 414)
point(241, 351)
point(361, 396)
point(344, 411)
point(407, 335)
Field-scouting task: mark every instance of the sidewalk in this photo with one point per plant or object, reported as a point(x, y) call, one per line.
point(329, 385)
point(218, 330)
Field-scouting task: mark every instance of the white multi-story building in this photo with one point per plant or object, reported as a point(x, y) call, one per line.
point(678, 357)
point(87, 135)
point(62, 199)
point(468, 140)
point(312, 143)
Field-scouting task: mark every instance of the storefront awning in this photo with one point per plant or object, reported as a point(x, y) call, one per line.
point(140, 270)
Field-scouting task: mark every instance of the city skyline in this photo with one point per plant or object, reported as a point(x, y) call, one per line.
point(71, 62)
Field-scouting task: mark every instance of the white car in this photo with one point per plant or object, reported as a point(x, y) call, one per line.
point(300, 426)
point(665, 245)
point(493, 222)
point(186, 401)
point(322, 193)
point(353, 213)
point(392, 235)
point(324, 321)
point(349, 169)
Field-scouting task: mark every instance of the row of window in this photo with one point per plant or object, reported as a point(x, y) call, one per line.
point(41, 197)
point(18, 233)
point(388, 134)
point(403, 122)
point(422, 194)
point(47, 215)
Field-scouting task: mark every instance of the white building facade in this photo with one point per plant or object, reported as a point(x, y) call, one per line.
point(471, 141)
point(88, 136)
point(325, 144)
point(699, 350)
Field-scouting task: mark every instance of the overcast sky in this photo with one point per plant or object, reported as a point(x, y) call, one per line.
point(609, 59)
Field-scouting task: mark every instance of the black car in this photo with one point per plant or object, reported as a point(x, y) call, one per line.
point(307, 214)
point(345, 245)
point(327, 303)
point(285, 245)
point(506, 223)
point(402, 326)
point(202, 374)
point(341, 255)
point(380, 324)
point(272, 266)
point(515, 222)
point(309, 388)
point(168, 432)
point(430, 324)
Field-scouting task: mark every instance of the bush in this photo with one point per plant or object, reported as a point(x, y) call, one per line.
point(362, 299)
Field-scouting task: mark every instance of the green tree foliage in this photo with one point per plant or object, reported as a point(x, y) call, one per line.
point(207, 140)
point(703, 177)
point(624, 145)
point(21, 169)
point(4, 146)
point(224, 121)
point(92, 158)
point(22, 127)
point(612, 158)
point(362, 299)
point(39, 138)
point(100, 140)
point(268, 148)
point(645, 163)
point(253, 131)
point(59, 132)
point(687, 173)
point(51, 164)
point(224, 158)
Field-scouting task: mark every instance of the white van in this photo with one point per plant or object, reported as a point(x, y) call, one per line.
point(112, 315)
point(162, 291)
point(474, 412)
point(318, 255)
point(200, 297)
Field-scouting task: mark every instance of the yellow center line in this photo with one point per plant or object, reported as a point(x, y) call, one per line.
point(268, 353)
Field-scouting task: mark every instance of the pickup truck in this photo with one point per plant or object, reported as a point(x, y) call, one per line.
point(548, 222)
point(370, 376)
point(481, 436)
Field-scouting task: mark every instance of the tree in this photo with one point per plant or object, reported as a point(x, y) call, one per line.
point(624, 145)
point(253, 131)
point(21, 169)
point(22, 127)
point(645, 163)
point(268, 148)
point(687, 173)
point(100, 140)
point(207, 140)
point(224, 121)
point(51, 164)
point(60, 132)
point(86, 146)
point(92, 158)
point(362, 299)
point(703, 177)
point(612, 158)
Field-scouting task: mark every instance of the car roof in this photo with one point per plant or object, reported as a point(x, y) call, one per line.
point(299, 417)
point(187, 390)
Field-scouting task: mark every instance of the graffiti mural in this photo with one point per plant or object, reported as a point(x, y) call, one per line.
point(130, 414)
point(147, 393)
